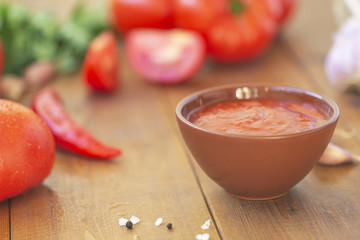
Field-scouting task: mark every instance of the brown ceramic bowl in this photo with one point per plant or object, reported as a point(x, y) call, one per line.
point(251, 166)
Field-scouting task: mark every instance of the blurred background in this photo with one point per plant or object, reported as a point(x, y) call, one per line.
point(57, 34)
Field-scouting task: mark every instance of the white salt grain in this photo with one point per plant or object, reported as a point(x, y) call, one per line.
point(206, 225)
point(204, 236)
point(134, 219)
point(158, 221)
point(122, 221)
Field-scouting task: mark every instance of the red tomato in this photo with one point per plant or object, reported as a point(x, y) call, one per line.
point(101, 64)
point(198, 15)
point(27, 149)
point(165, 56)
point(129, 14)
point(235, 30)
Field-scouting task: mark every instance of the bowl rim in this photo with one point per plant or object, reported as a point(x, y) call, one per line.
point(319, 96)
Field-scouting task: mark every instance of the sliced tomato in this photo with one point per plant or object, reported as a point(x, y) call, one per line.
point(235, 30)
point(129, 14)
point(101, 65)
point(165, 56)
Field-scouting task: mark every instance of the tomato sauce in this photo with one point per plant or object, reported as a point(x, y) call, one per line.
point(259, 117)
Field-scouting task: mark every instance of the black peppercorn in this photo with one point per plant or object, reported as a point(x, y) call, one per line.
point(129, 225)
point(169, 225)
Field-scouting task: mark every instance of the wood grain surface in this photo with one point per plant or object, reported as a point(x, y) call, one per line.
point(156, 175)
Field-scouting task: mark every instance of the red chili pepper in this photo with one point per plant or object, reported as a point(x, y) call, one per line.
point(67, 133)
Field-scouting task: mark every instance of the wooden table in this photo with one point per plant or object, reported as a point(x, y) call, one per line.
point(156, 175)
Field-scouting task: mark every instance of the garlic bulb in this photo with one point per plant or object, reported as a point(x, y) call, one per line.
point(342, 64)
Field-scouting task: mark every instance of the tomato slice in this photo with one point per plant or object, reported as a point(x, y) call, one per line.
point(101, 65)
point(165, 56)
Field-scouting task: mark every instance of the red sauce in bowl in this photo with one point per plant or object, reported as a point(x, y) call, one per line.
point(259, 117)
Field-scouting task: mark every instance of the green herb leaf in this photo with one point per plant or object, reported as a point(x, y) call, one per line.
point(28, 37)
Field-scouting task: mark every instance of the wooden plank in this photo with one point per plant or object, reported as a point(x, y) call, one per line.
point(85, 198)
point(317, 208)
point(325, 204)
point(314, 209)
point(4, 220)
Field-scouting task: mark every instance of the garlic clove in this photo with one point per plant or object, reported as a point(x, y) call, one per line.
point(335, 155)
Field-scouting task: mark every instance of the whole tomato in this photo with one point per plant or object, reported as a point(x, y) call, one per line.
point(198, 15)
point(235, 30)
point(129, 14)
point(27, 149)
point(101, 64)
